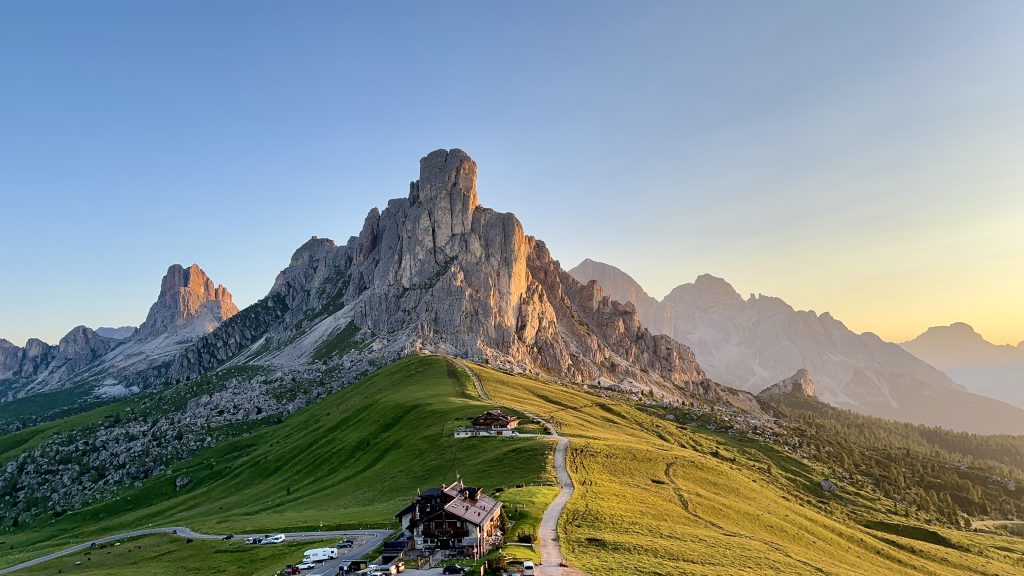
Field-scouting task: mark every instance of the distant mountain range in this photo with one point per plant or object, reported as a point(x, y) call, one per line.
point(189, 306)
point(755, 342)
point(982, 367)
point(436, 272)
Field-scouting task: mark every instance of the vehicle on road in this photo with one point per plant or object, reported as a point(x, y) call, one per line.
point(228, 537)
point(453, 569)
point(346, 543)
point(306, 566)
point(319, 554)
point(350, 566)
point(528, 568)
point(254, 540)
point(277, 539)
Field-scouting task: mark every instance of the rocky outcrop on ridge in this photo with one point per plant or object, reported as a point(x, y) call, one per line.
point(799, 383)
point(188, 302)
point(39, 366)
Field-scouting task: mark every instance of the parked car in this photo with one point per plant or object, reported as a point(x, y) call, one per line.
point(274, 539)
point(528, 568)
point(346, 543)
point(453, 569)
point(306, 566)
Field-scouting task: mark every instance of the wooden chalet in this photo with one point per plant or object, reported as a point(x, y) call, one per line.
point(455, 517)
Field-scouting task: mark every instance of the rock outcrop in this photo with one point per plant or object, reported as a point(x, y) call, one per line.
point(188, 302)
point(799, 383)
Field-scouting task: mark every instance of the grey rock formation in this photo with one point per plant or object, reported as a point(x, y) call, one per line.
point(438, 272)
point(188, 302)
point(39, 366)
point(188, 307)
point(122, 333)
point(799, 383)
point(754, 342)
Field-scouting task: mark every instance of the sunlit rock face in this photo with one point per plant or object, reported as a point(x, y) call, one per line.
point(188, 301)
point(436, 271)
point(752, 343)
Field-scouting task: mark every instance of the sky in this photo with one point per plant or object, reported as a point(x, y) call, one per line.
point(864, 158)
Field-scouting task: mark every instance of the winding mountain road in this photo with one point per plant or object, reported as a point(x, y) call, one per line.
point(376, 537)
point(552, 561)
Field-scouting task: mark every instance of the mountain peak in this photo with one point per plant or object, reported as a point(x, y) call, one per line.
point(188, 300)
point(708, 282)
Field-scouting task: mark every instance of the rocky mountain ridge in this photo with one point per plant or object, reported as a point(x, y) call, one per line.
point(437, 272)
point(755, 342)
point(189, 306)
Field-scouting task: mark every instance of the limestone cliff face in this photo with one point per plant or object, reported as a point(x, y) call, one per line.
point(188, 301)
point(436, 271)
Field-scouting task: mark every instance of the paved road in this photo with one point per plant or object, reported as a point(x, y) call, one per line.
point(552, 562)
point(375, 538)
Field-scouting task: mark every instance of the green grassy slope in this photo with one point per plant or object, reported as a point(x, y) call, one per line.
point(655, 498)
point(167, 555)
point(350, 461)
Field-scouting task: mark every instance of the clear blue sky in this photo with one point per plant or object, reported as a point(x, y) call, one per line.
point(861, 157)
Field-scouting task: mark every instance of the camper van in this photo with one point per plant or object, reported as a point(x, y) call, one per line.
point(319, 554)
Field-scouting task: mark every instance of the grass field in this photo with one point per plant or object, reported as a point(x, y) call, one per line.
point(170, 556)
point(653, 498)
point(350, 461)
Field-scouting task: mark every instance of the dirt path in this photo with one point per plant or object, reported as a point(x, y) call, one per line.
point(990, 523)
point(472, 376)
point(552, 562)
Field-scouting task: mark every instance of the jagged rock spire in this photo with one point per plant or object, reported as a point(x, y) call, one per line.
point(188, 300)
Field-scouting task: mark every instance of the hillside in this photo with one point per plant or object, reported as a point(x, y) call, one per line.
point(351, 460)
point(751, 343)
point(653, 496)
point(658, 498)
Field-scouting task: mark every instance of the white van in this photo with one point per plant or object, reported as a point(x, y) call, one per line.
point(319, 554)
point(528, 568)
point(274, 539)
